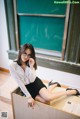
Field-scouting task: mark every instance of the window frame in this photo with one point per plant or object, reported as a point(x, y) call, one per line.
point(43, 52)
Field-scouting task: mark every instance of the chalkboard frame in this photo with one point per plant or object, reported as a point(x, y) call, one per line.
point(58, 54)
point(67, 65)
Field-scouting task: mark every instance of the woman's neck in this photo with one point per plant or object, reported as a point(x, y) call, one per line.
point(23, 66)
point(23, 63)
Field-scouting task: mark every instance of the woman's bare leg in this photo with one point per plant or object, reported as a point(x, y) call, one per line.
point(51, 87)
point(40, 99)
point(46, 95)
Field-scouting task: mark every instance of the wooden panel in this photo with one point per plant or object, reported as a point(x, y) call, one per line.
point(5, 70)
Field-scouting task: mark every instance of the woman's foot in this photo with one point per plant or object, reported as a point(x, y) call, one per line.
point(52, 83)
point(76, 91)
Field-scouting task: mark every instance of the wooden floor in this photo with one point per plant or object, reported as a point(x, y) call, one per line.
point(5, 106)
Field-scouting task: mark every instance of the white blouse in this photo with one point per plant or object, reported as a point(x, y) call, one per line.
point(22, 77)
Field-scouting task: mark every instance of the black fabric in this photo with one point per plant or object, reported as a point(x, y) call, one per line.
point(35, 87)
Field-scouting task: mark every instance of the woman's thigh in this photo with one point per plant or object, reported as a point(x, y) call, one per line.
point(40, 99)
point(45, 94)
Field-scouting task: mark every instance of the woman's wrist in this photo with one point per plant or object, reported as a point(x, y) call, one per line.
point(31, 62)
point(31, 67)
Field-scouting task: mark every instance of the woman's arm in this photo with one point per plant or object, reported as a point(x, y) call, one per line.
point(31, 101)
point(32, 71)
point(19, 81)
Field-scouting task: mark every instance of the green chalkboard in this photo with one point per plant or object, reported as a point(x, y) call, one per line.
point(42, 32)
point(45, 33)
point(40, 7)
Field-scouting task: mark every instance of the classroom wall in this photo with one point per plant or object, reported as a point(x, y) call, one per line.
point(4, 46)
point(44, 73)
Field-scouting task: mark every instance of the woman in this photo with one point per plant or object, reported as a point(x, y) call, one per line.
point(24, 72)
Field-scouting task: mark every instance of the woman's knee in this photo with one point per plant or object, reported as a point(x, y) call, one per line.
point(47, 98)
point(40, 99)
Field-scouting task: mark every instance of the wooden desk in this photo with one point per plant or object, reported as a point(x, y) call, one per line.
point(56, 109)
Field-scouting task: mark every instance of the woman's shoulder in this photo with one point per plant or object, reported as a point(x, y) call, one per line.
point(13, 64)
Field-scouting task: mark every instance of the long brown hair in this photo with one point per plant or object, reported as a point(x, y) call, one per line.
point(22, 50)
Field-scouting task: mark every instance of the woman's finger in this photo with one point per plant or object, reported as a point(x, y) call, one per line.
point(30, 105)
point(33, 105)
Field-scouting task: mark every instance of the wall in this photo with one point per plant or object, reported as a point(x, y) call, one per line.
point(4, 46)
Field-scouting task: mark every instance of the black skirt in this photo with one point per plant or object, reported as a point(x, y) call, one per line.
point(35, 87)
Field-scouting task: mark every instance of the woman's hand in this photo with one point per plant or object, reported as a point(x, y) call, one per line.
point(31, 62)
point(31, 102)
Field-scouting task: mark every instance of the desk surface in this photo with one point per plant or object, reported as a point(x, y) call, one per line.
point(69, 104)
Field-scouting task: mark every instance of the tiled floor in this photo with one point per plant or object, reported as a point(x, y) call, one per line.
point(4, 105)
point(3, 77)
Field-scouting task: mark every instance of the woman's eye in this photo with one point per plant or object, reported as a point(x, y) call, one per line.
point(29, 55)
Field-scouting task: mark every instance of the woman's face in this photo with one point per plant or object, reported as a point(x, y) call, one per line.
point(26, 55)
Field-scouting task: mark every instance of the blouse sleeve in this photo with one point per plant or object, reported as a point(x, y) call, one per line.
point(19, 81)
point(32, 74)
